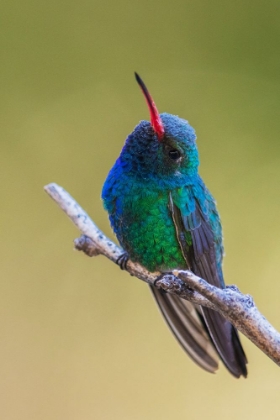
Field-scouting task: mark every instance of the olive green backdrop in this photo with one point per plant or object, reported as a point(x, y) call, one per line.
point(80, 339)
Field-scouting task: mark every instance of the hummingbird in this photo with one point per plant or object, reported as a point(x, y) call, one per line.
point(165, 218)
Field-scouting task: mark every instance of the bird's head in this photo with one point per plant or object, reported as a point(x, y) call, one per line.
point(165, 147)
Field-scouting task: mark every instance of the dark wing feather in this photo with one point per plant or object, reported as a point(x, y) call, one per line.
point(202, 260)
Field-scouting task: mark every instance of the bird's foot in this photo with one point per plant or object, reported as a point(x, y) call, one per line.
point(122, 261)
point(159, 284)
point(157, 280)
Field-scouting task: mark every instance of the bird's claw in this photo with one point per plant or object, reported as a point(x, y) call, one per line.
point(160, 286)
point(122, 261)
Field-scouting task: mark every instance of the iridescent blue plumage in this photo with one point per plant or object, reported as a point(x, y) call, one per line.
point(165, 218)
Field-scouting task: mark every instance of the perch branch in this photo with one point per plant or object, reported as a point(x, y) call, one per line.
point(237, 308)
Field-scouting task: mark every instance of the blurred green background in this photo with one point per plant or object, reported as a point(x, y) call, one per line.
point(80, 339)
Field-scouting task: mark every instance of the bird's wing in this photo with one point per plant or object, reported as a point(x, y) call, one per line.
point(191, 216)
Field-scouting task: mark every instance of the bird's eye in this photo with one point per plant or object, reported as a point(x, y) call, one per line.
point(174, 154)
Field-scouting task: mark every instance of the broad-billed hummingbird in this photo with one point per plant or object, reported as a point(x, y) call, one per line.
point(165, 218)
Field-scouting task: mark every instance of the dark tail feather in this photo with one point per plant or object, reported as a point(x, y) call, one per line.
point(184, 322)
point(241, 356)
point(226, 341)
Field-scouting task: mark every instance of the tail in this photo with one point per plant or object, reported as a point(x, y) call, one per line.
point(201, 331)
point(185, 323)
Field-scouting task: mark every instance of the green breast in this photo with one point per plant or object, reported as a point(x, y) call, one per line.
point(148, 234)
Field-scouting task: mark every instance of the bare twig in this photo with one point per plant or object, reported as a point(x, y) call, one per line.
point(239, 309)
